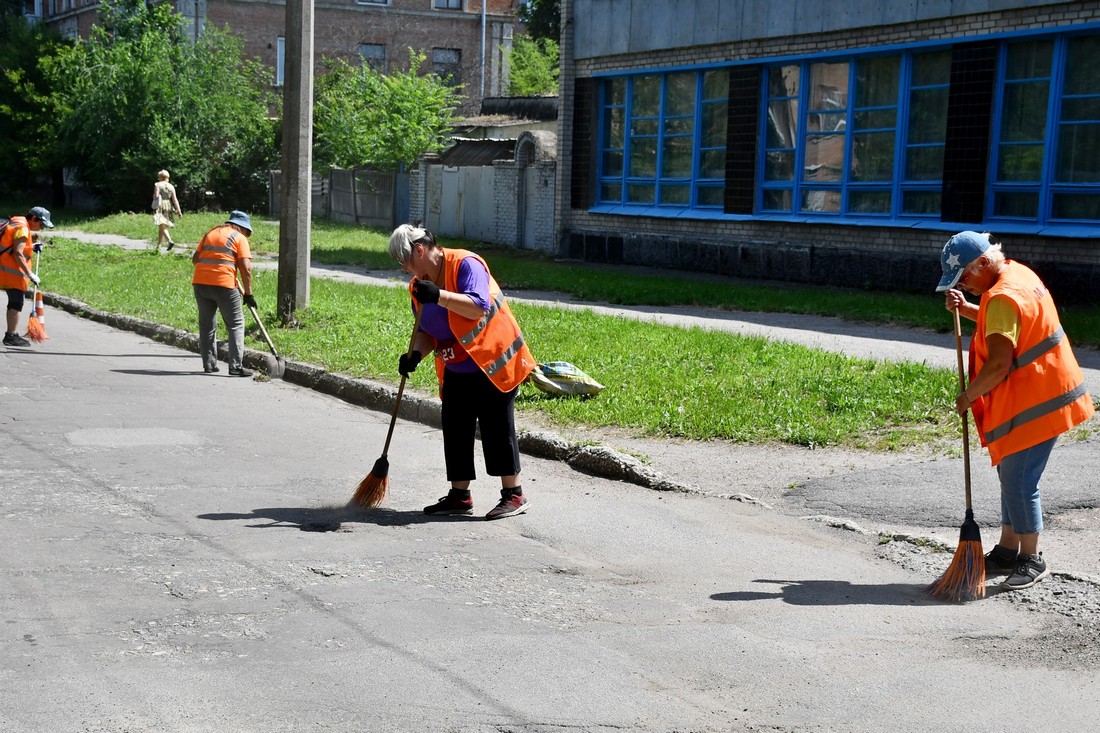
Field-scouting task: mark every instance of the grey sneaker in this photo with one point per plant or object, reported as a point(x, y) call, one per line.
point(509, 507)
point(1000, 561)
point(1030, 569)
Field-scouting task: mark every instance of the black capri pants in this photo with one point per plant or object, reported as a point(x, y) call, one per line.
point(470, 399)
point(16, 298)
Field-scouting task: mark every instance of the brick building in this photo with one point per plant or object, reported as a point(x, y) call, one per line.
point(467, 40)
point(835, 143)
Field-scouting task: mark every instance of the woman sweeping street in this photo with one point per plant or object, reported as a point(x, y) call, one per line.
point(480, 359)
point(1025, 389)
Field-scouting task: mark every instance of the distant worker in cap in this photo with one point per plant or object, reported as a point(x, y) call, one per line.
point(16, 252)
point(220, 256)
point(1025, 389)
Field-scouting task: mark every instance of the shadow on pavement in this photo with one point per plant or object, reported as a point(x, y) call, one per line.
point(330, 519)
point(835, 593)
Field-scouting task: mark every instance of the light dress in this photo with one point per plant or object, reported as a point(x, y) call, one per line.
point(167, 212)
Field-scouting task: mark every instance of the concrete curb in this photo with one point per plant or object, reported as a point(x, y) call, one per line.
point(591, 459)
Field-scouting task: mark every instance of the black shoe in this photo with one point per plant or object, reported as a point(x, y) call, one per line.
point(1000, 561)
point(451, 505)
point(211, 370)
point(1030, 569)
point(240, 372)
point(14, 339)
point(170, 246)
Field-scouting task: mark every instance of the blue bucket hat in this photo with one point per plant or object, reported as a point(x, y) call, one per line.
point(960, 251)
point(240, 219)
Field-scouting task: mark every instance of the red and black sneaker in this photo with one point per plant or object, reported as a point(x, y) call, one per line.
point(509, 506)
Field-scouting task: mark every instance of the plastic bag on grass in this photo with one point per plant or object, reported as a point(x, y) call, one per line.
point(562, 378)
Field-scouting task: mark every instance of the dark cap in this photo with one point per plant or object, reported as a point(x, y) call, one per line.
point(42, 214)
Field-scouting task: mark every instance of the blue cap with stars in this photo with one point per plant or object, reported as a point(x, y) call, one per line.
point(960, 251)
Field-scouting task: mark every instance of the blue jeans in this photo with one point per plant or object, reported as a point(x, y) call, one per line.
point(1019, 473)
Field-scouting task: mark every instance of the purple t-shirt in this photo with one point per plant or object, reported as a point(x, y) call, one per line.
point(473, 280)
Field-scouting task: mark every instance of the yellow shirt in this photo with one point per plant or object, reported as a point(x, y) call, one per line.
point(1001, 317)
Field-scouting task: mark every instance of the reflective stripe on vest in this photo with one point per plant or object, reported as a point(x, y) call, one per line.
point(501, 361)
point(1043, 394)
point(1038, 350)
point(12, 276)
point(495, 341)
point(216, 263)
point(1035, 412)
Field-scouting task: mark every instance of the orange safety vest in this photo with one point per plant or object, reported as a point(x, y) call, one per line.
point(1044, 393)
point(494, 341)
point(12, 277)
point(216, 257)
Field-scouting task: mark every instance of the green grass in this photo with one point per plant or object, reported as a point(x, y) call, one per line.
point(660, 380)
point(346, 244)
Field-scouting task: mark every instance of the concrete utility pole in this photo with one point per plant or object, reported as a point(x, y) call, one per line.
point(295, 198)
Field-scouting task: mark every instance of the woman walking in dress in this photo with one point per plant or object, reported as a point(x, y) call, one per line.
point(166, 209)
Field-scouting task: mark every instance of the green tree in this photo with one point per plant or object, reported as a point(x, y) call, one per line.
point(362, 117)
point(542, 19)
point(140, 97)
point(28, 111)
point(533, 67)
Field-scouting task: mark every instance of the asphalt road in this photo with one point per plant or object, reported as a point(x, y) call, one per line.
point(155, 576)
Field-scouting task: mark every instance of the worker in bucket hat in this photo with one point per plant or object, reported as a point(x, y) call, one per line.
point(222, 255)
point(1025, 388)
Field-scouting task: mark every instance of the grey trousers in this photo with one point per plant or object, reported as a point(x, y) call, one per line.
point(211, 299)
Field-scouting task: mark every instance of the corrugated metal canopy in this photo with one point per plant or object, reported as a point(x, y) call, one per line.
point(478, 152)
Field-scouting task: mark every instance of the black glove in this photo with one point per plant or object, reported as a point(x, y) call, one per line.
point(426, 291)
point(249, 300)
point(407, 364)
point(38, 246)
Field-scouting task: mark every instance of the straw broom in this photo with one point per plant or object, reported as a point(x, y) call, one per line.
point(372, 489)
point(36, 322)
point(964, 579)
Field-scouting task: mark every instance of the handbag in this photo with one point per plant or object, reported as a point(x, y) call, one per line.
point(156, 202)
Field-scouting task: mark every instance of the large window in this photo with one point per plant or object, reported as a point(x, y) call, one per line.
point(836, 141)
point(374, 56)
point(663, 140)
point(1047, 162)
point(926, 133)
point(865, 136)
point(280, 60)
point(447, 65)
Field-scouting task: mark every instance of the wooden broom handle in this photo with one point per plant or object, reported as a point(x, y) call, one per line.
point(401, 387)
point(965, 422)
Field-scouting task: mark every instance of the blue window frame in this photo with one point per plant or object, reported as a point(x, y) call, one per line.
point(861, 136)
point(929, 76)
point(663, 140)
point(1046, 166)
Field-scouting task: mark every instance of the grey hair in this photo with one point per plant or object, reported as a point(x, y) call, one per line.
point(403, 239)
point(993, 257)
